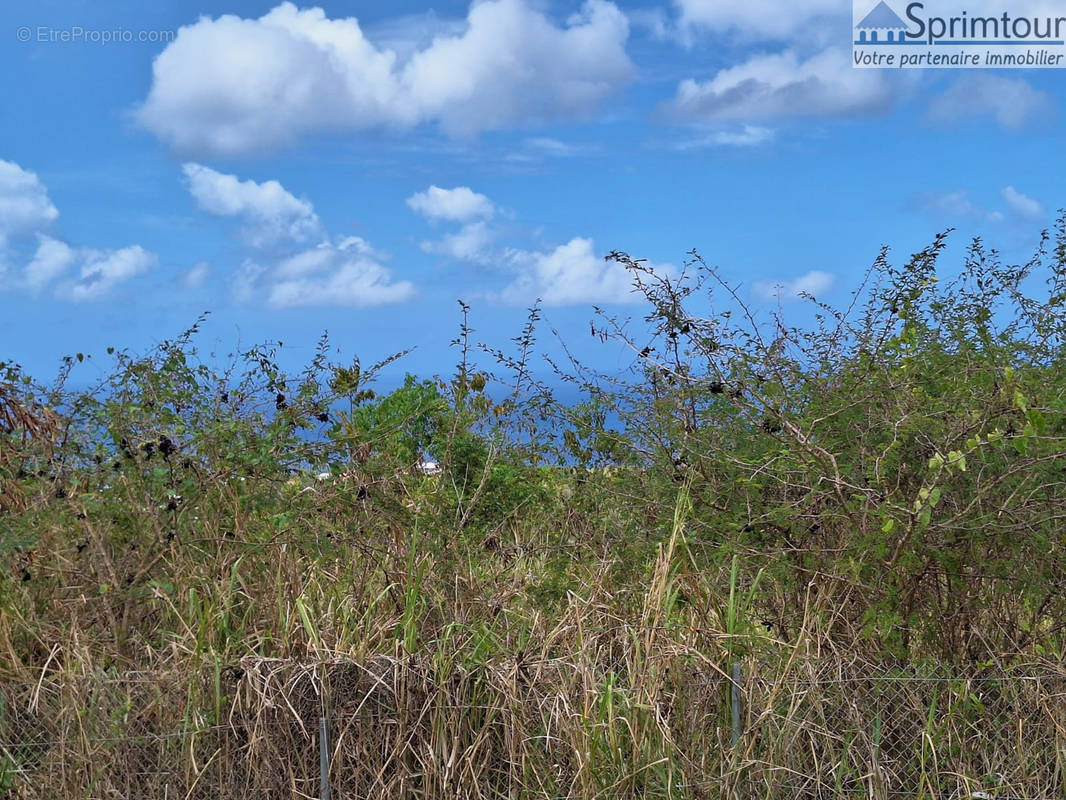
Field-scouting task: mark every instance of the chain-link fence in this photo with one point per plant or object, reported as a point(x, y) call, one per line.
point(394, 728)
point(911, 731)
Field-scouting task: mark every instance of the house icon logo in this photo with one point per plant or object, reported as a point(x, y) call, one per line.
point(1024, 36)
point(881, 26)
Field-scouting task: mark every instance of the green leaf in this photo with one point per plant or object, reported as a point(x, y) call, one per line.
point(1036, 420)
point(957, 460)
point(1020, 401)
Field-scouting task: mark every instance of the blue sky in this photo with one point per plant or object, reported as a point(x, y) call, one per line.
point(357, 167)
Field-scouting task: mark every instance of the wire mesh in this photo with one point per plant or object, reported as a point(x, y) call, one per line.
point(821, 729)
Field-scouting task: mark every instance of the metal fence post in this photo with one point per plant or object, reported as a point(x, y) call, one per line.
point(323, 759)
point(736, 703)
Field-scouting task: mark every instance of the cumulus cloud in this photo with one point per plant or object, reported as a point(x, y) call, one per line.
point(51, 260)
point(97, 271)
point(348, 273)
point(342, 272)
point(813, 283)
point(1011, 102)
point(269, 213)
point(570, 274)
point(472, 242)
point(196, 276)
point(460, 204)
point(26, 213)
point(784, 85)
point(230, 85)
point(1022, 205)
point(102, 270)
point(24, 203)
point(513, 65)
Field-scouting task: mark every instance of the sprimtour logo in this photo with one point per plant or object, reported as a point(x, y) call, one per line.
point(955, 36)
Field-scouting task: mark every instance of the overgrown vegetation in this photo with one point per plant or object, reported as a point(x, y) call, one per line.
point(882, 484)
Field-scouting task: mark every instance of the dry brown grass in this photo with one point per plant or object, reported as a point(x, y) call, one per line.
point(22, 424)
point(539, 727)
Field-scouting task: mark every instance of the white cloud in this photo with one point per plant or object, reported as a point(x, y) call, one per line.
point(460, 204)
point(956, 203)
point(1021, 204)
point(246, 282)
point(196, 276)
point(553, 147)
point(568, 274)
point(747, 136)
point(342, 272)
point(538, 148)
point(1012, 102)
point(782, 85)
point(27, 212)
point(472, 242)
point(813, 283)
point(231, 85)
point(51, 260)
point(102, 270)
point(513, 65)
point(571, 274)
point(346, 274)
point(98, 271)
point(268, 211)
point(772, 19)
point(24, 203)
